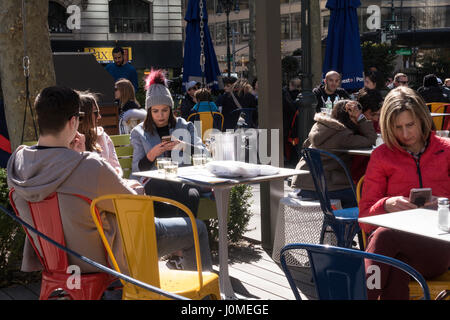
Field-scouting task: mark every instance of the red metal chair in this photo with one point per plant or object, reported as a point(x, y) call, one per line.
point(47, 219)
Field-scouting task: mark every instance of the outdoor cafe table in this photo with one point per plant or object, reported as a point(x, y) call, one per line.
point(222, 187)
point(422, 222)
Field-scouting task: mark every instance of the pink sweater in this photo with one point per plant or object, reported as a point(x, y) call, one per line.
point(108, 151)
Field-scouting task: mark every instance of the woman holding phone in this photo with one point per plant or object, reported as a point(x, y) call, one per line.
point(411, 157)
point(346, 128)
point(163, 135)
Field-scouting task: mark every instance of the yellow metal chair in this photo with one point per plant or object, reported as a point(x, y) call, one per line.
point(436, 285)
point(135, 216)
point(124, 151)
point(439, 107)
point(207, 120)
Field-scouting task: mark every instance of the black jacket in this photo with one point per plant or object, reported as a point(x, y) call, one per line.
point(432, 94)
point(186, 105)
point(322, 96)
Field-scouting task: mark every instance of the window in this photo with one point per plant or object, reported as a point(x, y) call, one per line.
point(221, 34)
point(131, 16)
point(57, 18)
point(244, 27)
point(285, 27)
point(296, 25)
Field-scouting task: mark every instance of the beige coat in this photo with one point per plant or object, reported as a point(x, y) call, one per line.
point(37, 173)
point(327, 134)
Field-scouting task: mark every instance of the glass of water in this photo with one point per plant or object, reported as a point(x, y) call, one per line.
point(198, 160)
point(171, 169)
point(160, 162)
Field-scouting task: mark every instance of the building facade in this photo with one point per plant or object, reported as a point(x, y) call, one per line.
point(412, 23)
point(151, 30)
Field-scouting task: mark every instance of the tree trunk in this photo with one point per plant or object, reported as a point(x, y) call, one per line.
point(251, 66)
point(42, 73)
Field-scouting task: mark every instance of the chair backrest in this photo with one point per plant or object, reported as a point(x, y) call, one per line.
point(339, 273)
point(358, 198)
point(124, 151)
point(314, 160)
point(101, 267)
point(135, 216)
point(208, 120)
point(110, 119)
point(439, 107)
point(248, 116)
point(46, 217)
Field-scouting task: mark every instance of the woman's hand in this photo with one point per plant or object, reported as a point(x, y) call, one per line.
point(78, 143)
point(353, 111)
point(399, 203)
point(159, 149)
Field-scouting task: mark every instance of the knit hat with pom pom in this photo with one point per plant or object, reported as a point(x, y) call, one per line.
point(157, 92)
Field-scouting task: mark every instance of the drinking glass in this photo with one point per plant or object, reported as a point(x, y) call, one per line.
point(198, 160)
point(171, 169)
point(160, 162)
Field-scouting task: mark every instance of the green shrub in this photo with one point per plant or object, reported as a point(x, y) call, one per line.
point(239, 216)
point(12, 239)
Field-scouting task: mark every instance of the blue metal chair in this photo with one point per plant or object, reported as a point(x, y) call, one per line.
point(91, 262)
point(343, 222)
point(339, 273)
point(247, 115)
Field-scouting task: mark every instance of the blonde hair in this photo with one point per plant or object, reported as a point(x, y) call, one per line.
point(398, 100)
point(126, 90)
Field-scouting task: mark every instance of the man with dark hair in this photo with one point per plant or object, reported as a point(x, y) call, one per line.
point(121, 70)
point(330, 91)
point(58, 164)
point(189, 100)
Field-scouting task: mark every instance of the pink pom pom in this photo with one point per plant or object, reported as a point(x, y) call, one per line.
point(155, 76)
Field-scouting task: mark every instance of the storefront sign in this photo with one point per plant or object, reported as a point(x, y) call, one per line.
point(104, 55)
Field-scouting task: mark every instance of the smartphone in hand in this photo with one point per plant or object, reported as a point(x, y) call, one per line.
point(420, 196)
point(166, 139)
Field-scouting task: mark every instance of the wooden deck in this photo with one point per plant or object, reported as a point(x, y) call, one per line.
point(254, 275)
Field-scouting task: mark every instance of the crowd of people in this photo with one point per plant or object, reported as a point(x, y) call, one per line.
point(74, 154)
point(412, 156)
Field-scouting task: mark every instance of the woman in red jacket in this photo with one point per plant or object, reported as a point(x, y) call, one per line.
point(412, 157)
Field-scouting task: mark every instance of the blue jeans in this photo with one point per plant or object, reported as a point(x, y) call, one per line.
point(173, 234)
point(346, 196)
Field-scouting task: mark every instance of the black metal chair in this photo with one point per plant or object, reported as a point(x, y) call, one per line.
point(343, 222)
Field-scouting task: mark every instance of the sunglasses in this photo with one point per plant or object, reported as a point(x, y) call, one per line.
point(403, 82)
point(78, 114)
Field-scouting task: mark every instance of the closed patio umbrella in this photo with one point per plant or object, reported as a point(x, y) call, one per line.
point(192, 69)
point(343, 50)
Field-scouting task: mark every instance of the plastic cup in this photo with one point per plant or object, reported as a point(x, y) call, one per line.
point(443, 133)
point(325, 111)
point(171, 169)
point(160, 162)
point(198, 160)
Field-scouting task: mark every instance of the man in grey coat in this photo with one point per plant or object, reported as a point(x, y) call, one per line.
point(57, 164)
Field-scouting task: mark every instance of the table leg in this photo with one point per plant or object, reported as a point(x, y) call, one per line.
point(222, 195)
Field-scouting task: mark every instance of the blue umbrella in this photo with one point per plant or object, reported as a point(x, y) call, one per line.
point(343, 51)
point(191, 63)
